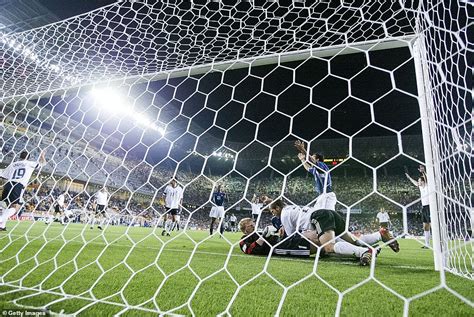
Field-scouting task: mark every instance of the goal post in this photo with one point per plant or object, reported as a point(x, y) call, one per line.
point(137, 94)
point(429, 148)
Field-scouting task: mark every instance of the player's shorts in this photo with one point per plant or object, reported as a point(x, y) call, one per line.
point(425, 214)
point(254, 217)
point(326, 201)
point(232, 223)
point(217, 212)
point(13, 193)
point(323, 220)
point(57, 209)
point(384, 224)
point(276, 222)
point(100, 209)
point(172, 211)
point(295, 246)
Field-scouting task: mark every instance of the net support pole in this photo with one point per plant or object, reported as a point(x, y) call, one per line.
point(429, 146)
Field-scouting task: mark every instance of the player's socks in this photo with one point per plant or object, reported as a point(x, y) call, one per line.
point(370, 239)
point(168, 226)
point(427, 238)
point(221, 228)
point(345, 248)
point(211, 229)
point(5, 215)
point(172, 226)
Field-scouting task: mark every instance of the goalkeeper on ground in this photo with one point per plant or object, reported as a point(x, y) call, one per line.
point(261, 243)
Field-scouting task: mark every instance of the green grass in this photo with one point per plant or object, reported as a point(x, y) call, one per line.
point(64, 268)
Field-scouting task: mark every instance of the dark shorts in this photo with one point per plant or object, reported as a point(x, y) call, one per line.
point(384, 224)
point(12, 193)
point(323, 220)
point(425, 214)
point(57, 209)
point(100, 209)
point(232, 223)
point(295, 246)
point(254, 217)
point(172, 212)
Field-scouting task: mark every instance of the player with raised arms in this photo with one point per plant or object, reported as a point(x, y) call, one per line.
point(326, 198)
point(425, 203)
point(219, 197)
point(18, 175)
point(173, 201)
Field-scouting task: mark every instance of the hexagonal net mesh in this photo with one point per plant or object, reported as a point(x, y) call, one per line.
point(134, 94)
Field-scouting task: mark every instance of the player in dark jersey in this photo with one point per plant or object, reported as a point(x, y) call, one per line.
point(217, 211)
point(326, 198)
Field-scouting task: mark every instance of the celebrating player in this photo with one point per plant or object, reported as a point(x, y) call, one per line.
point(425, 202)
point(18, 175)
point(217, 211)
point(102, 199)
point(322, 178)
point(173, 202)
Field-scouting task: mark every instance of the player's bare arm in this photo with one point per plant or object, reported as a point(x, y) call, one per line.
point(414, 182)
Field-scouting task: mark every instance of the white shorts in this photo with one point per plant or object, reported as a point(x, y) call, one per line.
point(326, 201)
point(217, 212)
point(68, 213)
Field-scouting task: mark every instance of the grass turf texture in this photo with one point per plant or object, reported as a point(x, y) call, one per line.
point(138, 268)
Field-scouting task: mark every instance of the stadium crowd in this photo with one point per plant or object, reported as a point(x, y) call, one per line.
point(134, 184)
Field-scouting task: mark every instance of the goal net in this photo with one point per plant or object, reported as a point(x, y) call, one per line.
point(135, 94)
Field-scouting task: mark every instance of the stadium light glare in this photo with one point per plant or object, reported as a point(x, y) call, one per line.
point(111, 101)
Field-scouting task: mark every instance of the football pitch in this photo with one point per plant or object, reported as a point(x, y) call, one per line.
point(135, 271)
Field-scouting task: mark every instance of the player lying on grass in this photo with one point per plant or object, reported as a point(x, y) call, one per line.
point(328, 224)
point(260, 243)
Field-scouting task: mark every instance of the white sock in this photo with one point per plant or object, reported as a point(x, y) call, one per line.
point(427, 238)
point(7, 213)
point(167, 225)
point(370, 238)
point(345, 248)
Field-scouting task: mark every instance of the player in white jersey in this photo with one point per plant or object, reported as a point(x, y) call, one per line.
point(383, 218)
point(233, 223)
point(425, 203)
point(58, 209)
point(18, 175)
point(173, 202)
point(101, 202)
point(328, 224)
point(256, 208)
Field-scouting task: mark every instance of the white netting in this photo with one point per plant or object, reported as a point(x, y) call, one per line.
point(134, 93)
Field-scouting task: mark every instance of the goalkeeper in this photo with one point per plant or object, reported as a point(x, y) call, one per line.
point(261, 243)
